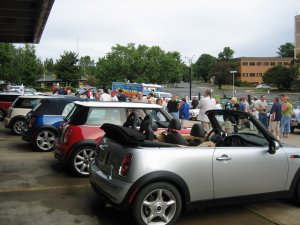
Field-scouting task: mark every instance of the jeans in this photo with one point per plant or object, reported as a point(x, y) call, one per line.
point(175, 115)
point(263, 119)
point(285, 124)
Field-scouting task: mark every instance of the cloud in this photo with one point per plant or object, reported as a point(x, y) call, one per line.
point(191, 27)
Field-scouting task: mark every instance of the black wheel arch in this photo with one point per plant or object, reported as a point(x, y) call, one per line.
point(158, 176)
point(13, 120)
point(296, 182)
point(47, 127)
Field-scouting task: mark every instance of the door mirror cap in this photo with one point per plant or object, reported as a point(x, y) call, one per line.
point(273, 147)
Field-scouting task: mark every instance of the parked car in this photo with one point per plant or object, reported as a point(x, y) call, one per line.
point(156, 181)
point(81, 131)
point(17, 112)
point(6, 101)
point(263, 86)
point(294, 122)
point(42, 122)
point(165, 95)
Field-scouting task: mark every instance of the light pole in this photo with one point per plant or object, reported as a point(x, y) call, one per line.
point(233, 72)
point(190, 62)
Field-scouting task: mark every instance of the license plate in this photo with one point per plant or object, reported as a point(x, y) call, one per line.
point(294, 123)
point(102, 155)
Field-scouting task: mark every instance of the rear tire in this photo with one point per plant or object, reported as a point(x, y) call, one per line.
point(81, 159)
point(158, 203)
point(2, 114)
point(44, 140)
point(17, 126)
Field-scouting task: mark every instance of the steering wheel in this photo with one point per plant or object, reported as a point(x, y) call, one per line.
point(218, 136)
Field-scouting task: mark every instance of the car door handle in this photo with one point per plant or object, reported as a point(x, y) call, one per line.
point(223, 158)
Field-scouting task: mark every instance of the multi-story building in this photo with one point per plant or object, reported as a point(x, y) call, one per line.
point(297, 35)
point(251, 69)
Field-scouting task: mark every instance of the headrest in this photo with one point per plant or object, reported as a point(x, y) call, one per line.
point(198, 130)
point(131, 121)
point(175, 124)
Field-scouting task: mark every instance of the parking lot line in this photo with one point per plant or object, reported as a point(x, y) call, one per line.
point(42, 188)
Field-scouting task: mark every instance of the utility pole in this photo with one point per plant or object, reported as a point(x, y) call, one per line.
point(191, 72)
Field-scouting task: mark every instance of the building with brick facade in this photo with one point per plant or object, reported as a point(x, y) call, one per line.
point(251, 69)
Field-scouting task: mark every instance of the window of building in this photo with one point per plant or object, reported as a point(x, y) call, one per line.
point(286, 63)
point(252, 63)
point(272, 63)
point(245, 74)
point(252, 74)
point(259, 74)
point(258, 63)
point(266, 64)
point(279, 63)
point(245, 63)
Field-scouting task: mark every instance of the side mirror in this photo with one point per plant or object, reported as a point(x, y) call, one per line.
point(274, 145)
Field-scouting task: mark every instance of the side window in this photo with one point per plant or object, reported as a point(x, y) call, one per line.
point(67, 109)
point(99, 116)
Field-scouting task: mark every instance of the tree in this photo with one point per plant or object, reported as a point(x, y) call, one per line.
point(282, 76)
point(87, 66)
point(139, 64)
point(7, 54)
point(286, 50)
point(220, 70)
point(66, 67)
point(226, 55)
point(49, 66)
point(202, 67)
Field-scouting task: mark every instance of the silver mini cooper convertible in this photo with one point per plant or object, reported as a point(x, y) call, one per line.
point(157, 179)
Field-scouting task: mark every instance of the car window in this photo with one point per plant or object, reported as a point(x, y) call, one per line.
point(67, 108)
point(26, 103)
point(234, 124)
point(99, 116)
point(157, 115)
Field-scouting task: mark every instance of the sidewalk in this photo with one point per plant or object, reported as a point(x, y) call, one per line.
point(294, 139)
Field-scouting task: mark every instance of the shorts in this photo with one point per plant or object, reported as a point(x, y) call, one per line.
point(274, 125)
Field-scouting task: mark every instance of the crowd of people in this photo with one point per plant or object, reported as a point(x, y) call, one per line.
point(278, 120)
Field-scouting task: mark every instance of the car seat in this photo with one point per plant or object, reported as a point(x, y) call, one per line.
point(173, 136)
point(148, 127)
point(131, 121)
point(198, 133)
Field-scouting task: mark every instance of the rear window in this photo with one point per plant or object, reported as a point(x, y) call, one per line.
point(51, 106)
point(26, 103)
point(8, 98)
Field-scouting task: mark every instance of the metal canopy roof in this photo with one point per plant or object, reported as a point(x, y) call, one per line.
point(23, 21)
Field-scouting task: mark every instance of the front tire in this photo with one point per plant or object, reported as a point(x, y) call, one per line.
point(44, 140)
point(297, 194)
point(158, 203)
point(17, 126)
point(81, 159)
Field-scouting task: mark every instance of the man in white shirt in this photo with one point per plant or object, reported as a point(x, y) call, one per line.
point(206, 103)
point(114, 98)
point(105, 97)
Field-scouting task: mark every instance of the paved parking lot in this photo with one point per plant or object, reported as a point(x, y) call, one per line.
point(35, 189)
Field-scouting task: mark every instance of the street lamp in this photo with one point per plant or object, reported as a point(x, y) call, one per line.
point(233, 72)
point(190, 62)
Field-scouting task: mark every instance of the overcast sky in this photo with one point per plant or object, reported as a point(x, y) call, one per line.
point(192, 27)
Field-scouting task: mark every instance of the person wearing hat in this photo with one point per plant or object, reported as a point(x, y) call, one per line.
point(206, 103)
point(114, 98)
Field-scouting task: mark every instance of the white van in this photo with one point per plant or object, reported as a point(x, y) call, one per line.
point(165, 95)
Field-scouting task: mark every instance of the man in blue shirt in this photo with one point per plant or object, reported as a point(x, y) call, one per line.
point(275, 118)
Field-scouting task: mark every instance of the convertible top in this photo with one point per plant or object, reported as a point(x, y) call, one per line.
point(123, 135)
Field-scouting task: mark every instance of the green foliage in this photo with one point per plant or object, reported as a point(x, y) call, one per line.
point(286, 50)
point(220, 70)
point(281, 76)
point(66, 67)
point(203, 66)
point(226, 55)
point(87, 66)
point(139, 64)
point(19, 64)
point(49, 66)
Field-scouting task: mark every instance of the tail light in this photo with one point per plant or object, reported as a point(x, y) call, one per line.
point(125, 165)
point(31, 121)
point(67, 136)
